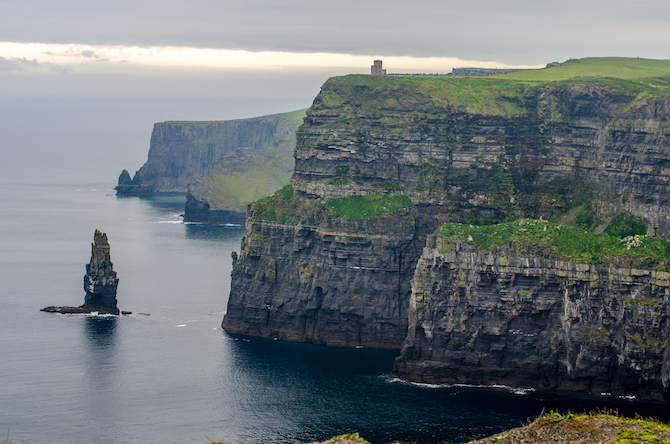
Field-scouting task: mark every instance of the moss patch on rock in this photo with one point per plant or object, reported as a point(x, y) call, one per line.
point(366, 207)
point(283, 206)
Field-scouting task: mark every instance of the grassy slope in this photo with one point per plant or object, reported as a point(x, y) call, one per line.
point(238, 189)
point(270, 171)
point(591, 428)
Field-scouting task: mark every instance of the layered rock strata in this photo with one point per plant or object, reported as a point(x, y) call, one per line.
point(532, 322)
point(100, 281)
point(326, 280)
point(525, 152)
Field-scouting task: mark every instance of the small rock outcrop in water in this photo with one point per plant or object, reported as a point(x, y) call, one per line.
point(100, 282)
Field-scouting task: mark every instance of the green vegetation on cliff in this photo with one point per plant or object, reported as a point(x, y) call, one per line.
point(365, 207)
point(283, 206)
point(245, 175)
point(498, 95)
point(256, 175)
point(613, 67)
point(561, 242)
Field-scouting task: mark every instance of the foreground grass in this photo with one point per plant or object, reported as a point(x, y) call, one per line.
point(555, 428)
point(587, 428)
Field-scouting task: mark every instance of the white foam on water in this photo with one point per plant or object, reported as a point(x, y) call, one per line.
point(514, 390)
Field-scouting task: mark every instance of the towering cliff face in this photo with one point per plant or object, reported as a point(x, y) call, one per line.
point(472, 150)
point(507, 317)
point(508, 157)
point(319, 278)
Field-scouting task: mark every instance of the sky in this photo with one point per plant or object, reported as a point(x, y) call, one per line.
point(222, 59)
point(191, 48)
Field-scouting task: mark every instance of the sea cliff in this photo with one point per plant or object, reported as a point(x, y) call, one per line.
point(382, 161)
point(522, 314)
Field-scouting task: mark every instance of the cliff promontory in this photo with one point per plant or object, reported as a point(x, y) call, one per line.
point(381, 162)
point(220, 165)
point(538, 305)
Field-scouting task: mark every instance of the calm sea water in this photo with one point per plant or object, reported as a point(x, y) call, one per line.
point(174, 376)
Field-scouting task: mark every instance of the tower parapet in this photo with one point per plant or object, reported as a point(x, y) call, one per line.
point(376, 69)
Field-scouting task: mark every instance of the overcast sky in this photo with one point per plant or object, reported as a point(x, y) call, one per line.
point(288, 48)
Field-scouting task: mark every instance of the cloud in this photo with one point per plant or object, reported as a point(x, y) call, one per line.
point(80, 56)
point(22, 64)
point(88, 54)
point(513, 31)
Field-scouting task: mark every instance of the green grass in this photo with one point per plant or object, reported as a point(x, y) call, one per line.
point(366, 207)
point(293, 118)
point(238, 189)
point(559, 242)
point(375, 95)
point(580, 216)
point(243, 176)
point(617, 67)
point(624, 225)
point(498, 95)
point(282, 206)
point(636, 430)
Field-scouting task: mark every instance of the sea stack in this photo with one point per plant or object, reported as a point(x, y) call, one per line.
point(100, 280)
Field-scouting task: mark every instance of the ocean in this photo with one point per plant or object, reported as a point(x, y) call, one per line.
point(169, 373)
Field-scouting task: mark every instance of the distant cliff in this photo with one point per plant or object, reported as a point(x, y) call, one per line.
point(222, 165)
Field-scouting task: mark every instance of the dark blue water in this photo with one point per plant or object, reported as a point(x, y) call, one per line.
point(175, 376)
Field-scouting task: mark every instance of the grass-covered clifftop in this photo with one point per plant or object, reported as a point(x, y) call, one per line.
point(497, 95)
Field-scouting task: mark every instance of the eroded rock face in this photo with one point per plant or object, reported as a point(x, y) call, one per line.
point(100, 281)
point(330, 280)
point(531, 322)
point(560, 144)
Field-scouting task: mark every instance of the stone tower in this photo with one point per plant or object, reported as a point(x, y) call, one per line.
point(376, 69)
